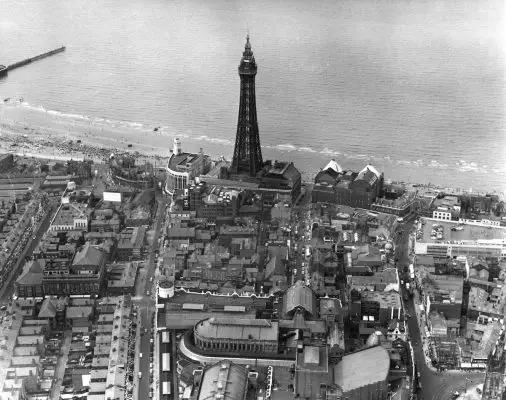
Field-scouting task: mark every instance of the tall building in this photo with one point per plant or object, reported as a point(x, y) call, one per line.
point(274, 180)
point(247, 152)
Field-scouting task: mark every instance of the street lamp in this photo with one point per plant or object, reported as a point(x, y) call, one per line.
point(467, 379)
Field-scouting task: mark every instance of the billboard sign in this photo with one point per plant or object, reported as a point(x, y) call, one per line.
point(112, 196)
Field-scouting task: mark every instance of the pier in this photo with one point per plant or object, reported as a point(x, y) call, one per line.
point(4, 69)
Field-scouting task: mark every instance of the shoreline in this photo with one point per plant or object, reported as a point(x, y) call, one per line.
point(48, 135)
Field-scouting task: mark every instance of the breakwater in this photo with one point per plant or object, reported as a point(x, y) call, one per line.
point(26, 61)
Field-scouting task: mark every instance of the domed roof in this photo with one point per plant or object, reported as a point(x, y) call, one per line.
point(389, 246)
point(333, 165)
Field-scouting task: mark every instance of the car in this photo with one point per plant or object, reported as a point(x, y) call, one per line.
point(34, 237)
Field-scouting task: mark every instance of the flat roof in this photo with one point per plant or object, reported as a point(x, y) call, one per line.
point(468, 233)
point(238, 328)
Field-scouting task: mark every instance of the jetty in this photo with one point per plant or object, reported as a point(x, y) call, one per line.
point(4, 69)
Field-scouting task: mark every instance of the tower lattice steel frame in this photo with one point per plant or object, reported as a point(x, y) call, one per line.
point(247, 152)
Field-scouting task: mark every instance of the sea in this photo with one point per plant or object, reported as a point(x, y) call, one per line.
point(415, 88)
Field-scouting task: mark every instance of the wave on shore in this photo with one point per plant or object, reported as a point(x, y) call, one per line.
point(107, 132)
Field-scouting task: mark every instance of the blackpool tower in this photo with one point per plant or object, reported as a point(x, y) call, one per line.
point(247, 152)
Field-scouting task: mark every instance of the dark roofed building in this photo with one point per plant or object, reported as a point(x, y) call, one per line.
point(84, 276)
point(237, 335)
point(333, 185)
point(88, 256)
point(224, 380)
point(283, 176)
point(131, 244)
point(29, 284)
point(299, 297)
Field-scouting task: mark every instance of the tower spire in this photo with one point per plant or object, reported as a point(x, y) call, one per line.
point(247, 152)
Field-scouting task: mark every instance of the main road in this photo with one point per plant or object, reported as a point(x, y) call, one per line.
point(437, 385)
point(8, 289)
point(147, 305)
point(434, 385)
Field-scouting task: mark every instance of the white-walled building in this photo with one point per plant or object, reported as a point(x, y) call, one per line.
point(184, 167)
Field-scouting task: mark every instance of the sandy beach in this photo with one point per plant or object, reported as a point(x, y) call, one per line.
point(47, 136)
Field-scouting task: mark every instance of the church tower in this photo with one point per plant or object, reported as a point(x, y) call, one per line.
point(247, 158)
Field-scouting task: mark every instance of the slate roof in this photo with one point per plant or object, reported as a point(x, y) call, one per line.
point(33, 273)
point(369, 174)
point(88, 255)
point(47, 309)
point(299, 295)
point(275, 266)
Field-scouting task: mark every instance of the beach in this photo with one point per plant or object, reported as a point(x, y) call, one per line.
point(55, 138)
point(35, 132)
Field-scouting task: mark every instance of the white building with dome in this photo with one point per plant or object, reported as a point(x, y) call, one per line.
point(183, 168)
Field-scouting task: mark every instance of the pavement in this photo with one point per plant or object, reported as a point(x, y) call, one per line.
point(472, 393)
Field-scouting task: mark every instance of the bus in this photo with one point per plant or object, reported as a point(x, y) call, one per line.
point(166, 388)
point(411, 272)
point(165, 337)
point(166, 362)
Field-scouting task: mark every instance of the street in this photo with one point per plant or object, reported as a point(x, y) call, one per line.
point(437, 385)
point(7, 290)
point(434, 385)
point(147, 309)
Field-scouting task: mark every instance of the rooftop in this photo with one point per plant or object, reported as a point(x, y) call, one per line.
point(32, 273)
point(362, 368)
point(299, 295)
point(88, 255)
point(387, 279)
point(386, 299)
point(224, 380)
point(472, 233)
point(183, 162)
point(79, 312)
point(444, 288)
point(69, 212)
point(238, 328)
point(479, 301)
